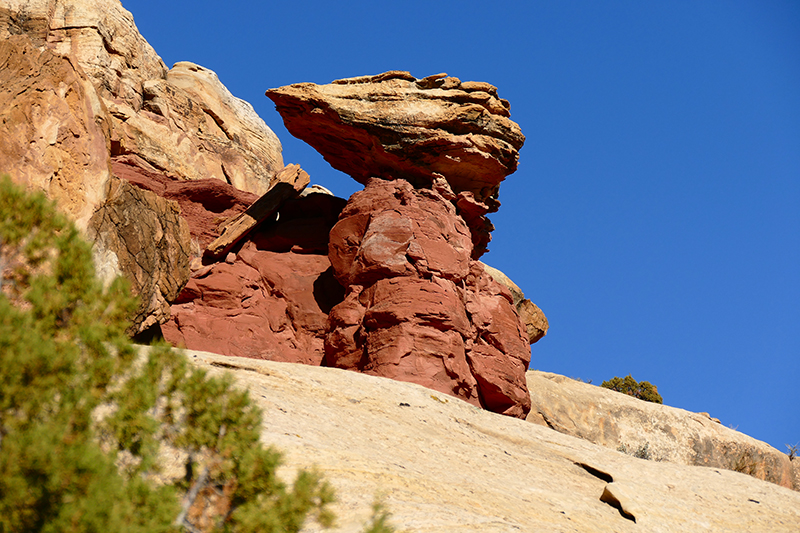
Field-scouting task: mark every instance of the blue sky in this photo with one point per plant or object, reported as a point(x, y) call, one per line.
point(655, 215)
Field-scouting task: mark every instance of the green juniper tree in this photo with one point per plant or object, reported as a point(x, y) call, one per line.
point(64, 357)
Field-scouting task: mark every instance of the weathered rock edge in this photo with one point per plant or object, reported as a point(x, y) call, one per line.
point(664, 433)
point(444, 465)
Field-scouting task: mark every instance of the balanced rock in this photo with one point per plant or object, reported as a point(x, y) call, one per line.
point(651, 430)
point(417, 308)
point(394, 125)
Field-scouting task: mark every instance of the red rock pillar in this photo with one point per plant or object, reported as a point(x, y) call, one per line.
point(417, 307)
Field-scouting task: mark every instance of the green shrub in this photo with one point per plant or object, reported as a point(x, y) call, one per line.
point(65, 359)
point(627, 385)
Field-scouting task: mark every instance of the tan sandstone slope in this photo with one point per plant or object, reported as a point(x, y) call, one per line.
point(444, 465)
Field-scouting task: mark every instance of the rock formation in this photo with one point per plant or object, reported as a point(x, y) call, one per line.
point(442, 465)
point(54, 130)
point(145, 235)
point(270, 297)
point(417, 307)
point(535, 322)
point(395, 126)
point(660, 432)
point(183, 189)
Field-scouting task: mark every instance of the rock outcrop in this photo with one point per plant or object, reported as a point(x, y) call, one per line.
point(83, 96)
point(535, 322)
point(442, 465)
point(182, 121)
point(183, 189)
point(144, 235)
point(190, 126)
point(417, 308)
point(659, 432)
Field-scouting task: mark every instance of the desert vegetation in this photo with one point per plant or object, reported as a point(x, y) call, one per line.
point(638, 389)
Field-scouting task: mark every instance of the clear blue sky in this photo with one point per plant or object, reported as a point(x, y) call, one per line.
point(655, 215)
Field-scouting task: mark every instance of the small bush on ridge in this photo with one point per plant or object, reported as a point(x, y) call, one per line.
point(627, 385)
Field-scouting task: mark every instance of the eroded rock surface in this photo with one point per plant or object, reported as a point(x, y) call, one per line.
point(535, 322)
point(417, 308)
point(660, 432)
point(270, 297)
point(182, 121)
point(396, 126)
point(190, 126)
point(83, 96)
point(54, 128)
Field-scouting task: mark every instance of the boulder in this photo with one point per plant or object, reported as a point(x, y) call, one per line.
point(651, 430)
point(143, 236)
point(394, 125)
point(417, 308)
point(442, 465)
point(54, 129)
point(535, 322)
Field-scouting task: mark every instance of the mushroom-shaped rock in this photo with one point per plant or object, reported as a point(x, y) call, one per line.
point(394, 125)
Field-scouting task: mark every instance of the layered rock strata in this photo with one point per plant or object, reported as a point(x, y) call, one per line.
point(394, 125)
point(417, 308)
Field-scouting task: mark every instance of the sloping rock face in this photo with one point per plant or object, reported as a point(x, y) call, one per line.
point(417, 308)
point(394, 125)
point(442, 465)
point(183, 121)
point(662, 433)
point(190, 126)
